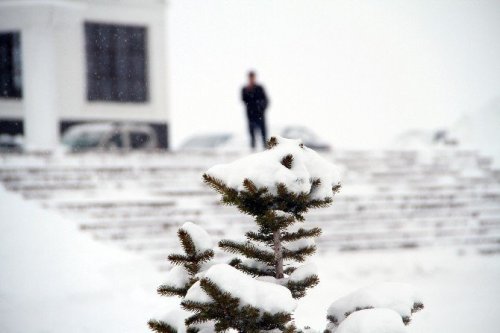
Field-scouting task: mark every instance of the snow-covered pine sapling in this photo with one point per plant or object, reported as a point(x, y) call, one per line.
point(197, 246)
point(277, 187)
point(257, 292)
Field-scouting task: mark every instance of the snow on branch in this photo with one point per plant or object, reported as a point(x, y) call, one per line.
point(398, 297)
point(235, 300)
point(289, 162)
point(302, 278)
point(373, 321)
point(200, 237)
point(171, 322)
point(265, 296)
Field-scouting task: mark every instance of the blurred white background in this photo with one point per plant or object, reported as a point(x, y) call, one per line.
point(358, 72)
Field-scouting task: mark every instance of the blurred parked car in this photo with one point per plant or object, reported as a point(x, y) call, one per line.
point(229, 141)
point(308, 137)
point(207, 141)
point(110, 136)
point(11, 144)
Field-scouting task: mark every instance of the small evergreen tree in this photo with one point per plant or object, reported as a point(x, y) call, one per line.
point(186, 267)
point(274, 248)
point(277, 244)
point(257, 291)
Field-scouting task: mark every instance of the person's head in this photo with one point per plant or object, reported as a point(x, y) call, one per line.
point(251, 77)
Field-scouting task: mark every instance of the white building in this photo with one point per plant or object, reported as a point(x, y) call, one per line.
point(65, 62)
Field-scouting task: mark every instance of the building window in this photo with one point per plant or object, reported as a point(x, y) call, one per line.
point(116, 63)
point(10, 65)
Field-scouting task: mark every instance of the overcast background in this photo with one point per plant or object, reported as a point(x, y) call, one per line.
point(357, 72)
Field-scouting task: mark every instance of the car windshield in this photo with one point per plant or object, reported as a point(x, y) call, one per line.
point(83, 140)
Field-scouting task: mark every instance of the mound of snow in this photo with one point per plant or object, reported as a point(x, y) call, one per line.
point(201, 239)
point(398, 297)
point(372, 321)
point(303, 272)
point(266, 296)
point(177, 317)
point(54, 278)
point(265, 170)
point(177, 277)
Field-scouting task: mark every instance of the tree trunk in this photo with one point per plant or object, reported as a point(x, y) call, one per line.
point(278, 254)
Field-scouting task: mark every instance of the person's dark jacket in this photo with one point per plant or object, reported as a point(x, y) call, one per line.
point(255, 100)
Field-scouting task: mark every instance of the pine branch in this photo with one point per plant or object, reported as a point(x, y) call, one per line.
point(300, 254)
point(197, 318)
point(274, 321)
point(192, 263)
point(317, 203)
point(168, 290)
point(254, 204)
point(315, 183)
point(256, 271)
point(300, 234)
point(265, 238)
point(270, 222)
point(178, 259)
point(204, 256)
point(186, 242)
point(215, 183)
point(287, 161)
point(298, 288)
point(198, 307)
point(294, 203)
point(272, 142)
point(334, 320)
point(417, 307)
point(160, 326)
point(248, 250)
point(249, 186)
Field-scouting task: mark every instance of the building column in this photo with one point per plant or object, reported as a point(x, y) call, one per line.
point(41, 126)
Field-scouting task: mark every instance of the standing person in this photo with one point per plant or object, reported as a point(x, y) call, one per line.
point(256, 102)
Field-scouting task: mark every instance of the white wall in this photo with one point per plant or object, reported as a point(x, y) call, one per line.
point(65, 20)
point(72, 63)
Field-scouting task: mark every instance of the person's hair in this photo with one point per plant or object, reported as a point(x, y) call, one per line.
point(251, 73)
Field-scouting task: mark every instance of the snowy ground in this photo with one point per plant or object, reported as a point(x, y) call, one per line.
point(461, 292)
point(54, 278)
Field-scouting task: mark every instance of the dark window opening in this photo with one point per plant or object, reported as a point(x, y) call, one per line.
point(10, 65)
point(139, 140)
point(116, 63)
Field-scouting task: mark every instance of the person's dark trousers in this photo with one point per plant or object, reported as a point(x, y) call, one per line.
point(257, 124)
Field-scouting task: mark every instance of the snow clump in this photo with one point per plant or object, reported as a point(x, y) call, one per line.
point(201, 239)
point(266, 296)
point(372, 321)
point(264, 169)
point(398, 297)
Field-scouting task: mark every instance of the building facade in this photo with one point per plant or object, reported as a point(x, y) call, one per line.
point(67, 62)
